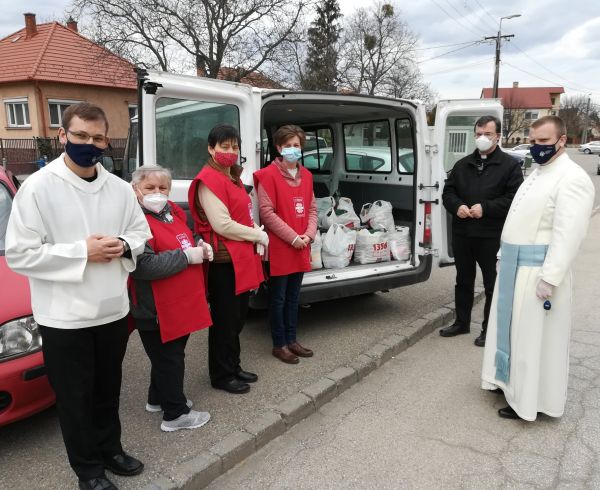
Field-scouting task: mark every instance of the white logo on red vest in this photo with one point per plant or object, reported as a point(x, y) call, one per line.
point(184, 241)
point(299, 206)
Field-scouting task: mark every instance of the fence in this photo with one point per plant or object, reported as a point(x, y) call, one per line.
point(23, 156)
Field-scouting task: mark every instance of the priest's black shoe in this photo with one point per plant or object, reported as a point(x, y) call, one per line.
point(453, 330)
point(508, 413)
point(480, 341)
point(124, 465)
point(100, 483)
point(234, 386)
point(246, 376)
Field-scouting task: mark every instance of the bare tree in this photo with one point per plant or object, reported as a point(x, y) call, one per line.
point(514, 116)
point(573, 112)
point(406, 82)
point(242, 35)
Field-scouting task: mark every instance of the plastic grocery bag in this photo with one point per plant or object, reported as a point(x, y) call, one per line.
point(338, 246)
point(342, 214)
point(315, 252)
point(378, 215)
point(323, 205)
point(371, 247)
point(399, 241)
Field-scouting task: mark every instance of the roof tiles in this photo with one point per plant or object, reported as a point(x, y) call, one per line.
point(525, 97)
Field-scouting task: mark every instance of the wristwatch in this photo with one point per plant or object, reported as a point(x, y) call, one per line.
point(126, 247)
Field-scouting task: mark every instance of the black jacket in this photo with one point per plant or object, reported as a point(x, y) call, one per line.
point(492, 182)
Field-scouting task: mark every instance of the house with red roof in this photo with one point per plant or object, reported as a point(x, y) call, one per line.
point(522, 106)
point(46, 67)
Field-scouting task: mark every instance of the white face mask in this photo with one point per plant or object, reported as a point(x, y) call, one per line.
point(154, 202)
point(483, 143)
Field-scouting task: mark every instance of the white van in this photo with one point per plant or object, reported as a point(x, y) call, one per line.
point(177, 112)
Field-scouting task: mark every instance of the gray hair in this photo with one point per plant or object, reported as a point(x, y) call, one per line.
point(145, 171)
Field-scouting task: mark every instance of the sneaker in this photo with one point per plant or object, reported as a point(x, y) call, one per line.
point(157, 408)
point(191, 420)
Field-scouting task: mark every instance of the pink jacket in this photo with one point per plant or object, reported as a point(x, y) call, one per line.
point(272, 221)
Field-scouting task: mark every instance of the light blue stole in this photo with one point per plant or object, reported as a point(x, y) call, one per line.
point(512, 257)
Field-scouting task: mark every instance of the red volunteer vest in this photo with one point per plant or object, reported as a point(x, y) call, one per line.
point(180, 299)
point(292, 205)
point(247, 264)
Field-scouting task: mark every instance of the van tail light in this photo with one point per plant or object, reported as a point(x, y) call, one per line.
point(427, 230)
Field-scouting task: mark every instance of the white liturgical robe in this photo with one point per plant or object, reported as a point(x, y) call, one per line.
point(552, 207)
point(53, 214)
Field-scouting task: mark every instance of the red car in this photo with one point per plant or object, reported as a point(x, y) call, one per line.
point(24, 387)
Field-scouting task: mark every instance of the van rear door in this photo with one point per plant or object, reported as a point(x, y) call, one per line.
point(452, 139)
point(179, 111)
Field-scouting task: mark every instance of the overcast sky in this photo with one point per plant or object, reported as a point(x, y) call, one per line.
point(557, 42)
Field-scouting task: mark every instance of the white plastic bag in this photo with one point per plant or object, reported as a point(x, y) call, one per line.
point(378, 215)
point(323, 205)
point(371, 247)
point(342, 214)
point(338, 246)
point(315, 252)
point(399, 241)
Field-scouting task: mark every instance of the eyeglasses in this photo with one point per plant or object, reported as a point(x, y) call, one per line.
point(82, 137)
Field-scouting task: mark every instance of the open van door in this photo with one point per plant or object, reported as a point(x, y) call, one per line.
point(178, 112)
point(452, 139)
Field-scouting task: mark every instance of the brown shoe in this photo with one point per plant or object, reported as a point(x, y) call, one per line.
point(284, 354)
point(297, 349)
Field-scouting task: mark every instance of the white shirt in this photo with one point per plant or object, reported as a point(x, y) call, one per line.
point(53, 213)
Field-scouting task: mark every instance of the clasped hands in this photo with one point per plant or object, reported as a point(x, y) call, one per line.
point(201, 252)
point(101, 248)
point(475, 211)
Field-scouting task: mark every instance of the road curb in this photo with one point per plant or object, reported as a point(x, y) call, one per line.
point(199, 471)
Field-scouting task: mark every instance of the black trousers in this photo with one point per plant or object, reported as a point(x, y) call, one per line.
point(84, 369)
point(468, 252)
point(167, 373)
point(228, 313)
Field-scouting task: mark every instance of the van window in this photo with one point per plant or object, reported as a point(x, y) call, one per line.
point(318, 150)
point(182, 128)
point(368, 147)
point(5, 207)
point(406, 146)
point(459, 140)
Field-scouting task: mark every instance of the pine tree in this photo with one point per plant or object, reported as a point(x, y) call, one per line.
point(322, 60)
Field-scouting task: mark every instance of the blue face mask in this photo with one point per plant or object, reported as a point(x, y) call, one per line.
point(291, 154)
point(542, 153)
point(83, 154)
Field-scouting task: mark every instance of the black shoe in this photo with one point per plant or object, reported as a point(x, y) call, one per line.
point(246, 376)
point(124, 465)
point(100, 483)
point(234, 386)
point(480, 341)
point(454, 330)
point(508, 413)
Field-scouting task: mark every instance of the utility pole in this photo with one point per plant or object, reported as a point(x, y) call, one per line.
point(587, 122)
point(498, 38)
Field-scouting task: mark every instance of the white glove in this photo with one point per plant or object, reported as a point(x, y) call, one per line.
point(264, 238)
point(544, 290)
point(260, 249)
point(194, 254)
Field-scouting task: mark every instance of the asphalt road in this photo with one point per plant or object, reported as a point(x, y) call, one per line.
point(421, 421)
point(32, 452)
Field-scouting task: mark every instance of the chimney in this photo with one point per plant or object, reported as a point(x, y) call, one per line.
point(72, 24)
point(30, 26)
point(515, 84)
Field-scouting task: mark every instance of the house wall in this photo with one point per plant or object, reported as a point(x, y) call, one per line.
point(523, 135)
point(115, 103)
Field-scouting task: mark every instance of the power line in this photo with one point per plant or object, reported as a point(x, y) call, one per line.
point(446, 45)
point(454, 19)
point(451, 51)
point(485, 10)
point(460, 15)
point(462, 66)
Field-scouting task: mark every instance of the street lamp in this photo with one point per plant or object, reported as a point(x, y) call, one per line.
point(498, 40)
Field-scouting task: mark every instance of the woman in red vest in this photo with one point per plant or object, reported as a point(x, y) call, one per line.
point(288, 210)
point(222, 213)
point(167, 298)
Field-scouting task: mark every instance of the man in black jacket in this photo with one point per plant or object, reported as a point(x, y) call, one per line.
point(478, 193)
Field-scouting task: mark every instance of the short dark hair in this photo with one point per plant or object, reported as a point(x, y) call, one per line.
point(222, 133)
point(483, 120)
point(559, 124)
point(85, 111)
point(287, 132)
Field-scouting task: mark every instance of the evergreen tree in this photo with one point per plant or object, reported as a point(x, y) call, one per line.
point(322, 60)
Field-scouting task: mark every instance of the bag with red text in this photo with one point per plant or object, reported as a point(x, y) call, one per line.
point(371, 247)
point(399, 241)
point(342, 214)
point(338, 246)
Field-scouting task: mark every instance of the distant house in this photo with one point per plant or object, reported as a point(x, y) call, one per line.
point(46, 67)
point(522, 106)
point(254, 78)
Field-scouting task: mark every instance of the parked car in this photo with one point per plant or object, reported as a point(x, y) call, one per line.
point(516, 155)
point(24, 386)
point(589, 148)
point(521, 149)
point(361, 159)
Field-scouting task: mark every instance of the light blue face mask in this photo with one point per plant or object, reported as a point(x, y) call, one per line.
point(291, 154)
